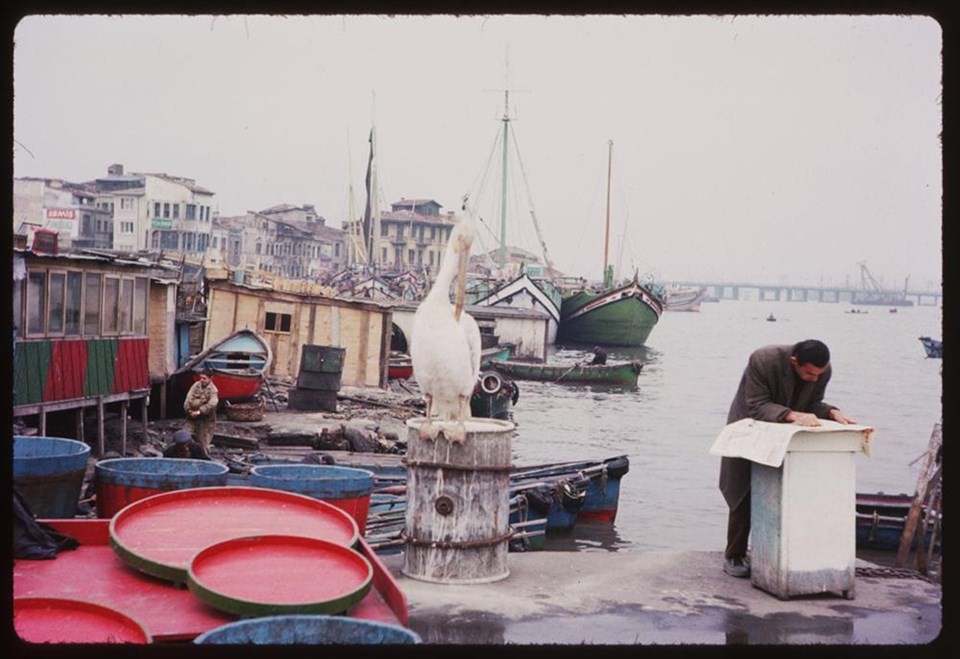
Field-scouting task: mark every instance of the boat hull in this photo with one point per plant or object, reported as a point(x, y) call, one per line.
point(236, 364)
point(933, 348)
point(232, 387)
point(620, 317)
point(622, 373)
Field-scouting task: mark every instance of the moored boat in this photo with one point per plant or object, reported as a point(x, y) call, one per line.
point(615, 315)
point(881, 519)
point(679, 298)
point(399, 366)
point(933, 348)
point(237, 365)
point(621, 316)
point(524, 292)
point(493, 396)
point(612, 373)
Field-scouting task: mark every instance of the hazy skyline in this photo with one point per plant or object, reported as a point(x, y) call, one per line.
point(773, 149)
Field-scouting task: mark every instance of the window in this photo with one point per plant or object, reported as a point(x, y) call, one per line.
point(166, 210)
point(72, 307)
point(86, 226)
point(430, 252)
point(176, 211)
point(411, 256)
point(383, 255)
point(58, 285)
point(36, 301)
point(126, 203)
point(156, 209)
point(277, 322)
point(141, 294)
point(126, 227)
point(91, 305)
point(111, 303)
point(191, 213)
point(168, 240)
point(125, 307)
point(336, 249)
point(384, 230)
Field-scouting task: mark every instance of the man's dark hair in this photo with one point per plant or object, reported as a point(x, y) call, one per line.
point(813, 352)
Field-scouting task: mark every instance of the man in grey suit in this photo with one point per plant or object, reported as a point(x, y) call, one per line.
point(781, 384)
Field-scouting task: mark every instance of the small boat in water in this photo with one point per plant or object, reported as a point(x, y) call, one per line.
point(771, 318)
point(933, 347)
point(237, 365)
point(493, 396)
point(614, 373)
point(881, 519)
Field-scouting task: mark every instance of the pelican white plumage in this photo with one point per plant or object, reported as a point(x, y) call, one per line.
point(445, 342)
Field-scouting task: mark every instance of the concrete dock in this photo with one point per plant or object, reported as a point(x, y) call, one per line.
point(662, 598)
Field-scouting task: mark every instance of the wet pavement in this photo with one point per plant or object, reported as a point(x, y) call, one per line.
point(661, 598)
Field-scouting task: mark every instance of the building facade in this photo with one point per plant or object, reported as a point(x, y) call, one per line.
point(411, 236)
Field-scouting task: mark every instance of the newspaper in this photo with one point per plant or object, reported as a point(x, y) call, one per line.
point(766, 443)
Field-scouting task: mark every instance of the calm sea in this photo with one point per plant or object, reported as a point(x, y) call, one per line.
point(692, 365)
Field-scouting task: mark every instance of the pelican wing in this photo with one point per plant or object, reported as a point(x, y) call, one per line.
point(471, 333)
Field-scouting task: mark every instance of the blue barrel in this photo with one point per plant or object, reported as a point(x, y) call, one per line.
point(344, 487)
point(307, 630)
point(121, 481)
point(48, 472)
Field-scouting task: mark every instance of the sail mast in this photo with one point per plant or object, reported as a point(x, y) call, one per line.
point(503, 179)
point(606, 239)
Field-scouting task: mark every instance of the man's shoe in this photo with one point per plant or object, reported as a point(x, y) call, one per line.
point(736, 567)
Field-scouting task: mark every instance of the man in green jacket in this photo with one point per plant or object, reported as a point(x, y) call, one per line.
point(781, 384)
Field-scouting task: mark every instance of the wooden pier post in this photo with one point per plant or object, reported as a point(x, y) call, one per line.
point(458, 503)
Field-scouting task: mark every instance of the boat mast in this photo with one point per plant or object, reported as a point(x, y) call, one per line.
point(606, 240)
point(503, 178)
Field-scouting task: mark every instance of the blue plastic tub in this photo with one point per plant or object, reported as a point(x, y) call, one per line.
point(308, 630)
point(121, 481)
point(344, 487)
point(48, 472)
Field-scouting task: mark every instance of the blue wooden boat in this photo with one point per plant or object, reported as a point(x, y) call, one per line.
point(933, 348)
point(881, 519)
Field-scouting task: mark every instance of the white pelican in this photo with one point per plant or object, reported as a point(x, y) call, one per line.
point(445, 342)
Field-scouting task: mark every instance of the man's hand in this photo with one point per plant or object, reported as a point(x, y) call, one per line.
point(802, 418)
point(839, 417)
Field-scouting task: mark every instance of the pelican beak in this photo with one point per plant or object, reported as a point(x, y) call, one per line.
point(463, 255)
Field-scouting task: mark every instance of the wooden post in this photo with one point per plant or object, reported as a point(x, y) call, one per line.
point(100, 430)
point(124, 408)
point(80, 424)
point(458, 503)
point(144, 404)
point(916, 508)
point(43, 423)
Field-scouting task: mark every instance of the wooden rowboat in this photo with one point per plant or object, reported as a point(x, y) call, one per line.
point(614, 373)
point(237, 365)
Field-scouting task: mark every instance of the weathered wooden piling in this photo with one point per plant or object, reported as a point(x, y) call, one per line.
point(458, 503)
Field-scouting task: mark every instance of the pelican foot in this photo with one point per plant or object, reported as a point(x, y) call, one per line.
point(456, 433)
point(430, 430)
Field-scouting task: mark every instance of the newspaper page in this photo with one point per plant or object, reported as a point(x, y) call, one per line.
point(766, 443)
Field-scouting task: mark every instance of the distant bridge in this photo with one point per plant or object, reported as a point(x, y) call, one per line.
point(805, 293)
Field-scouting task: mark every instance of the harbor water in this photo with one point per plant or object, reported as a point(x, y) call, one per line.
point(692, 364)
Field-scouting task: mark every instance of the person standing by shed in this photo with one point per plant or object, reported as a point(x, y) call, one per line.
point(200, 406)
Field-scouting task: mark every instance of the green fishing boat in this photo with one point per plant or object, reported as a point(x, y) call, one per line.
point(619, 373)
point(622, 316)
point(615, 315)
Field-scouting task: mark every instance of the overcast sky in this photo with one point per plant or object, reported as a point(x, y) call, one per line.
point(771, 149)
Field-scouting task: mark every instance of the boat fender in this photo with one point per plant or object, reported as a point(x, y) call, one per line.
point(617, 467)
point(490, 382)
point(572, 497)
point(539, 500)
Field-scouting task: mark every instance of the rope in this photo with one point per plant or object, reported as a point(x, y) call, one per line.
point(891, 573)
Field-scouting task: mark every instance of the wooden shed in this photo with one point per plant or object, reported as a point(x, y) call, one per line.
point(290, 320)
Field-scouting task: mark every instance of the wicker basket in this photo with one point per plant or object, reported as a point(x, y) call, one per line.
point(252, 411)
